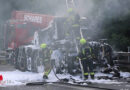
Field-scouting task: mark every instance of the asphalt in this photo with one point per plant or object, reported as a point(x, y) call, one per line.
point(61, 86)
point(48, 87)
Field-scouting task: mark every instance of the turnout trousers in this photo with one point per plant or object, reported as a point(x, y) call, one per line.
point(47, 66)
point(87, 68)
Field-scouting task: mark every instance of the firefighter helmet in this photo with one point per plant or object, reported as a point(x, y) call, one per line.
point(69, 10)
point(82, 41)
point(43, 45)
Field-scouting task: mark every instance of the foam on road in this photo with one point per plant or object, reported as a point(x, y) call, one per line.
point(21, 78)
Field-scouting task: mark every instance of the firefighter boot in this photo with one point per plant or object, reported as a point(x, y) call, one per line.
point(92, 75)
point(45, 77)
point(85, 77)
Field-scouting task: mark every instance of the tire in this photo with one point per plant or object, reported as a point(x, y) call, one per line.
point(29, 58)
point(37, 62)
point(59, 66)
point(22, 60)
point(16, 58)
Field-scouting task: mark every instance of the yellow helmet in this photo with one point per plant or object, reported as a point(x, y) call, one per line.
point(82, 41)
point(43, 45)
point(69, 10)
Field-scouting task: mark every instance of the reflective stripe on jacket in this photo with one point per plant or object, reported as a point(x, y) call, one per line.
point(85, 53)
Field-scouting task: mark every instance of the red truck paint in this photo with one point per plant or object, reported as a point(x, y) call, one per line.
point(25, 24)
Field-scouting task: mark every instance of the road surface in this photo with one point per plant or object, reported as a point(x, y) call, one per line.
point(59, 86)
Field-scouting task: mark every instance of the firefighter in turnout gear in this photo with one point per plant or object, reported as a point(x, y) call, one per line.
point(85, 55)
point(46, 56)
point(72, 24)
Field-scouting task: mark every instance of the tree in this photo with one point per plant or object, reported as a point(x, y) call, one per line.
point(118, 32)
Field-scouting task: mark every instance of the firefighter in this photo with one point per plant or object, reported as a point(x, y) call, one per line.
point(46, 56)
point(72, 24)
point(85, 55)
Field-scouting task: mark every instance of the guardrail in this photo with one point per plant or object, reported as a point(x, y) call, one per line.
point(123, 61)
point(3, 59)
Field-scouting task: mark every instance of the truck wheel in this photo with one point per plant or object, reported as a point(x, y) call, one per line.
point(16, 58)
point(34, 61)
point(29, 58)
point(59, 61)
point(22, 59)
point(38, 62)
point(29, 65)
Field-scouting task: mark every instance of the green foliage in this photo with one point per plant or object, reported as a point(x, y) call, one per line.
point(118, 32)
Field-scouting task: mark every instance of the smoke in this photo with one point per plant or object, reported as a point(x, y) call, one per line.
point(53, 7)
point(99, 12)
point(4, 10)
point(95, 10)
point(38, 6)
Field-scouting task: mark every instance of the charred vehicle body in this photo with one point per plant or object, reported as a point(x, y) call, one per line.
point(28, 31)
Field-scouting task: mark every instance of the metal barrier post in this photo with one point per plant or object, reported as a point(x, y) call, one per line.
point(128, 54)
